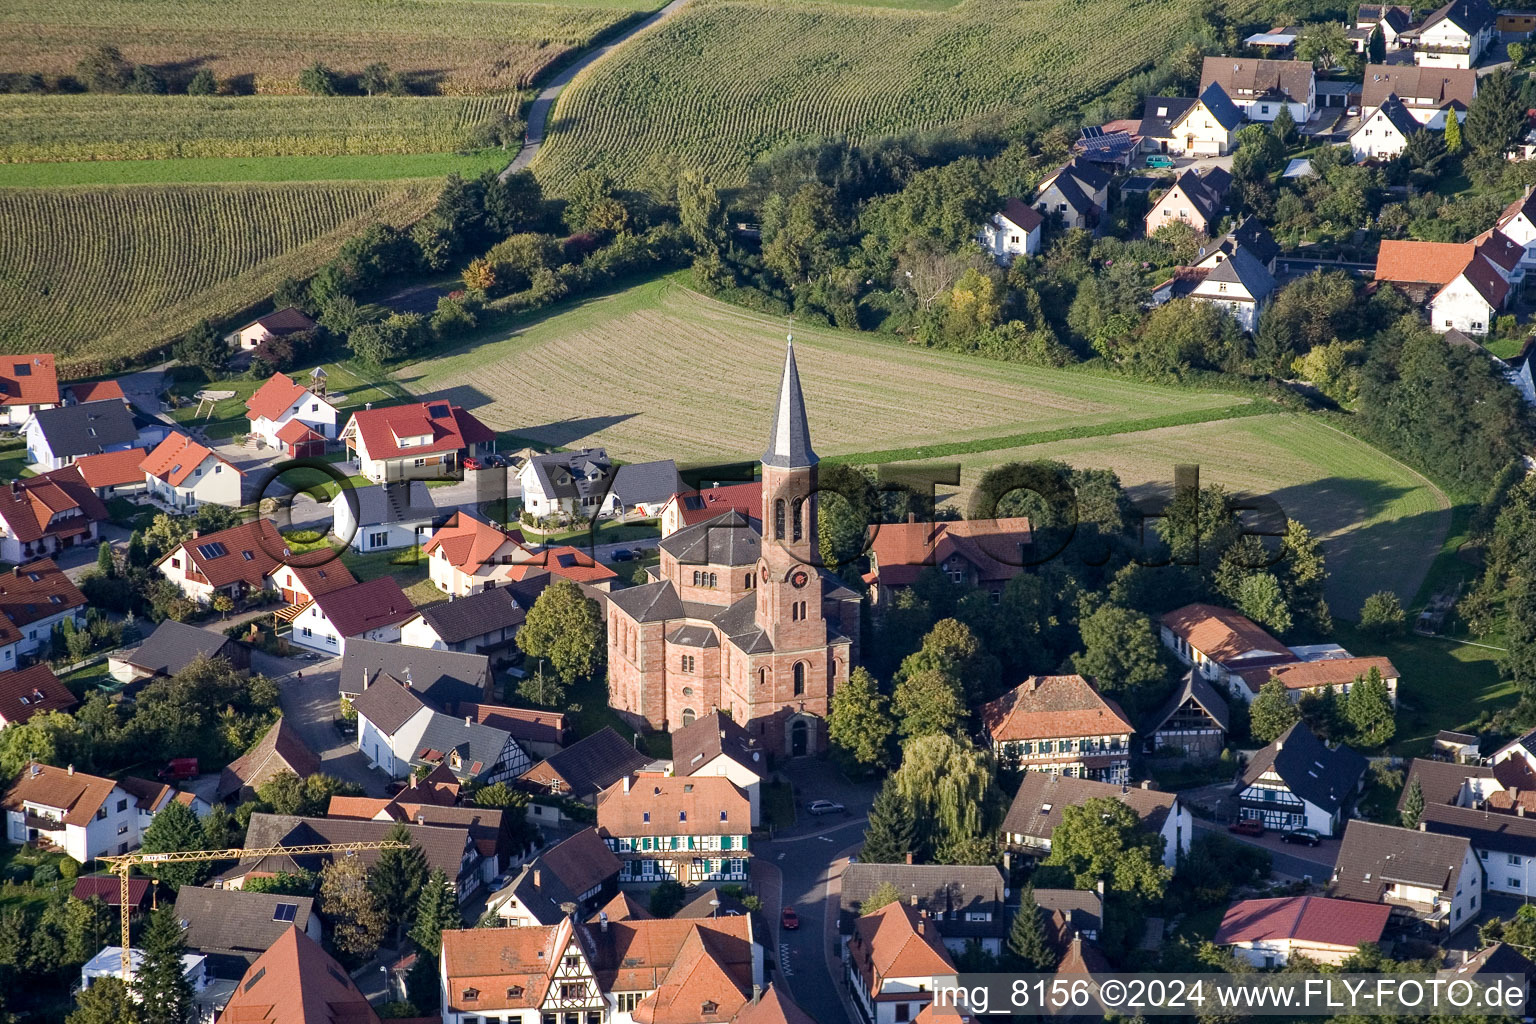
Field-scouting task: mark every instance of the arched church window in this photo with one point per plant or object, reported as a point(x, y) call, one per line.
point(778, 519)
point(799, 516)
point(762, 677)
point(714, 580)
point(799, 678)
point(687, 716)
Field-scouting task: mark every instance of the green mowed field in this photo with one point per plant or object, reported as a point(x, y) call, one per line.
point(452, 47)
point(115, 271)
point(817, 70)
point(252, 170)
point(1381, 523)
point(660, 371)
point(104, 127)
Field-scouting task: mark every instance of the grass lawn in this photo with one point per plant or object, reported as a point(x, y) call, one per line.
point(607, 532)
point(423, 593)
point(24, 860)
point(350, 387)
point(83, 681)
point(13, 462)
point(129, 514)
point(406, 564)
point(1444, 684)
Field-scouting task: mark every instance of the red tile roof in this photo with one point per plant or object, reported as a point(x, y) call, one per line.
point(1221, 634)
point(28, 506)
point(1304, 919)
point(175, 458)
point(26, 691)
point(29, 380)
point(296, 982)
point(1043, 707)
point(24, 600)
point(358, 608)
point(895, 942)
point(113, 469)
point(520, 723)
point(254, 551)
point(1309, 675)
point(1411, 262)
point(662, 805)
point(468, 542)
point(1498, 247)
point(296, 432)
point(76, 794)
point(107, 889)
point(1486, 280)
point(450, 429)
point(96, 391)
point(901, 551)
point(573, 564)
point(274, 398)
point(697, 506)
point(699, 988)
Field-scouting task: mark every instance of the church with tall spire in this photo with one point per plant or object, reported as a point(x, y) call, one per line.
point(738, 617)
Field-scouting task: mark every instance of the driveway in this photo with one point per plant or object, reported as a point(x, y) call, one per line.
point(538, 114)
point(143, 390)
point(1315, 862)
point(309, 695)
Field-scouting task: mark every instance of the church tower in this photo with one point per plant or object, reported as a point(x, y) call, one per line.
point(788, 584)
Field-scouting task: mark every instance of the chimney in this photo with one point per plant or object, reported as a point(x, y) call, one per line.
point(71, 769)
point(537, 875)
point(922, 926)
point(421, 819)
point(367, 406)
point(757, 993)
point(1279, 745)
point(626, 783)
point(1098, 887)
point(15, 486)
point(466, 721)
point(602, 920)
point(1146, 783)
point(914, 899)
point(911, 517)
point(196, 534)
point(412, 782)
point(365, 679)
point(909, 858)
point(1422, 826)
point(1520, 810)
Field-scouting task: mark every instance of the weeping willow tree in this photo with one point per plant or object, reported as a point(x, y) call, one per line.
point(951, 788)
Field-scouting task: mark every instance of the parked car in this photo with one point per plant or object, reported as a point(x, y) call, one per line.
point(178, 769)
point(1247, 827)
point(1160, 160)
point(825, 807)
point(622, 555)
point(344, 728)
point(471, 463)
point(1305, 836)
point(789, 919)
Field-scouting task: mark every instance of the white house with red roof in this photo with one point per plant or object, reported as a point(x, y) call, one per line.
point(282, 402)
point(27, 691)
point(415, 442)
point(1012, 232)
point(368, 611)
point(1267, 933)
point(688, 829)
point(45, 514)
point(251, 557)
point(34, 598)
point(114, 473)
point(83, 815)
point(980, 553)
point(688, 508)
point(28, 384)
point(895, 962)
point(277, 324)
point(1465, 285)
point(93, 391)
point(1061, 725)
point(467, 555)
point(185, 474)
point(1518, 224)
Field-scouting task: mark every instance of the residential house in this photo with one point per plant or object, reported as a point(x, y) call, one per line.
point(540, 733)
point(1504, 841)
point(1208, 126)
point(1461, 747)
point(84, 391)
point(60, 434)
point(1499, 958)
point(1070, 914)
point(297, 982)
point(34, 598)
point(895, 961)
point(422, 803)
point(398, 732)
point(1260, 88)
point(26, 691)
point(1111, 144)
point(29, 384)
point(1268, 932)
point(1426, 878)
point(282, 401)
point(965, 903)
point(689, 508)
point(277, 324)
point(974, 553)
point(467, 555)
point(1197, 200)
point(172, 647)
point(586, 482)
point(580, 869)
point(373, 610)
point(690, 830)
point(1428, 94)
point(46, 514)
point(483, 623)
point(83, 816)
point(415, 442)
point(1298, 781)
point(233, 928)
point(715, 745)
point(1237, 283)
point(1077, 192)
point(1159, 115)
point(1250, 234)
point(1012, 232)
point(642, 489)
point(109, 964)
point(107, 889)
point(1320, 667)
point(1219, 643)
point(384, 517)
point(1464, 785)
point(1456, 36)
point(1518, 223)
point(1474, 296)
point(1384, 133)
point(1194, 720)
point(114, 473)
point(1037, 808)
point(449, 849)
point(280, 749)
point(1061, 725)
point(250, 558)
point(443, 678)
point(184, 474)
point(1391, 20)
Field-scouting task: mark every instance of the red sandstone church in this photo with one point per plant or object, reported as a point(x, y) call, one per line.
point(738, 616)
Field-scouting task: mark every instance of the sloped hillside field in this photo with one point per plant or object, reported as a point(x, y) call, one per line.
point(115, 271)
point(724, 81)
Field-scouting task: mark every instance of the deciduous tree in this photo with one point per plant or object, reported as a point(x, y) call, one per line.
point(565, 628)
point(1382, 615)
point(860, 723)
point(1120, 651)
point(1102, 840)
point(175, 828)
point(884, 895)
point(349, 904)
point(1272, 712)
point(107, 1001)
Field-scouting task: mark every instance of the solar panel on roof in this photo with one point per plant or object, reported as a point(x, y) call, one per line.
point(213, 550)
point(1092, 132)
point(285, 912)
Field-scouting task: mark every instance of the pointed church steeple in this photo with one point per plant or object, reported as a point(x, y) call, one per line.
point(789, 442)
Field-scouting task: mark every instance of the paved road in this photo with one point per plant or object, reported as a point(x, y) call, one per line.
point(543, 104)
point(1292, 861)
point(310, 703)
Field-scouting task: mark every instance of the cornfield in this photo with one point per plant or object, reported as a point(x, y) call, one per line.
point(457, 47)
point(98, 127)
point(727, 80)
point(112, 272)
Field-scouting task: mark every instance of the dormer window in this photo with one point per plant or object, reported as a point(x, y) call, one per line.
point(471, 993)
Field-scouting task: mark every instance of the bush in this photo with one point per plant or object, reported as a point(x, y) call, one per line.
point(45, 874)
point(667, 898)
point(69, 868)
point(319, 80)
point(1382, 615)
point(203, 84)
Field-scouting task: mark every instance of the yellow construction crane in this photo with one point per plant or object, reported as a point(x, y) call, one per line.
point(122, 866)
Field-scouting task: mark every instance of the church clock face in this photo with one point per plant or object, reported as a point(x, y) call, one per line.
point(762, 571)
point(799, 578)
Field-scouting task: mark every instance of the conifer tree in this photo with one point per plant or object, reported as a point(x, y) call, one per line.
point(1413, 805)
point(891, 834)
point(165, 994)
point(1027, 944)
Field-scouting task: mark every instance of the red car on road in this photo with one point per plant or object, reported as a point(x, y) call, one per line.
point(789, 919)
point(1247, 827)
